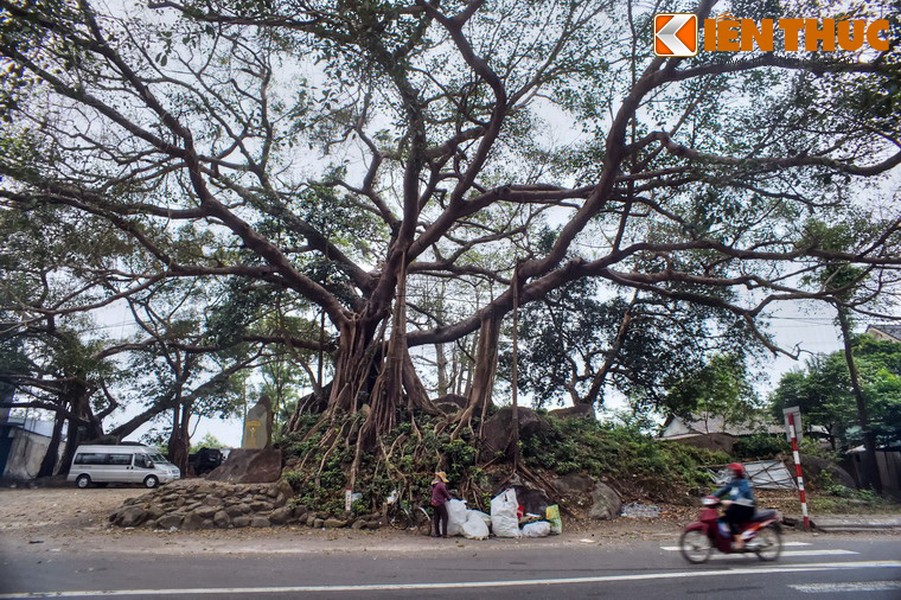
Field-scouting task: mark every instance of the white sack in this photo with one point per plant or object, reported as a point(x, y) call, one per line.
point(475, 528)
point(536, 529)
point(456, 516)
point(484, 516)
point(504, 522)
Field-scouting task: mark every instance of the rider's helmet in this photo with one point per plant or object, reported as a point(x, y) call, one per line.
point(737, 469)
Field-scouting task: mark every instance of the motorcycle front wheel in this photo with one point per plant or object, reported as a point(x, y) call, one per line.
point(768, 544)
point(695, 546)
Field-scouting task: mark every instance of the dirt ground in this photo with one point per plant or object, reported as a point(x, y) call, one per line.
point(42, 518)
point(51, 519)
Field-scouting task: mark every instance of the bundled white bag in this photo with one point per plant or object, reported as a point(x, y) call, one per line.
point(504, 522)
point(536, 529)
point(484, 516)
point(475, 528)
point(456, 516)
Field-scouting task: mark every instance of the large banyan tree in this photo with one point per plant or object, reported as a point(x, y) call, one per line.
point(412, 171)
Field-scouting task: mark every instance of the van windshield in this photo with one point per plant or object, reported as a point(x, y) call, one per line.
point(157, 458)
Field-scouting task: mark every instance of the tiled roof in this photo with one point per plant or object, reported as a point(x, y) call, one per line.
point(892, 330)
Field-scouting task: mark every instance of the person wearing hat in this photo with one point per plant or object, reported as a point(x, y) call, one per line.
point(739, 504)
point(440, 495)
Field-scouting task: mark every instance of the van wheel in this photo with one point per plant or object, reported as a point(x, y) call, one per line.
point(151, 481)
point(83, 481)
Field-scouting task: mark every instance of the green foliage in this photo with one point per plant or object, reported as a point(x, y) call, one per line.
point(813, 447)
point(208, 441)
point(823, 392)
point(720, 387)
point(294, 478)
point(835, 497)
point(645, 346)
point(320, 477)
point(760, 446)
point(617, 452)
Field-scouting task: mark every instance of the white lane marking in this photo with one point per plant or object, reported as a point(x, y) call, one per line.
point(784, 544)
point(387, 587)
point(787, 553)
point(851, 586)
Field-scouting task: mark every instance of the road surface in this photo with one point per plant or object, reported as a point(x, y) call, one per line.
point(827, 567)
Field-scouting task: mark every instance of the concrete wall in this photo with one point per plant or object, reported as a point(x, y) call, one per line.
point(25, 456)
point(889, 463)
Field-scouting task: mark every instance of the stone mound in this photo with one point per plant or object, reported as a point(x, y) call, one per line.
point(192, 504)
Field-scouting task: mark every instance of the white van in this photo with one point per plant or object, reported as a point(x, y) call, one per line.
point(121, 464)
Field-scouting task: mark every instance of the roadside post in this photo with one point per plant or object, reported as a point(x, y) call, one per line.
point(793, 426)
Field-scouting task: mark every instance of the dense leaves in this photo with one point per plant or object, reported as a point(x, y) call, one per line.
point(823, 392)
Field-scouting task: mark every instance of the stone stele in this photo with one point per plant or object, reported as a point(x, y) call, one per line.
point(258, 426)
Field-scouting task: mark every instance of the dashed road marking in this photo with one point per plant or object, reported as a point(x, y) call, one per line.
point(850, 586)
point(784, 545)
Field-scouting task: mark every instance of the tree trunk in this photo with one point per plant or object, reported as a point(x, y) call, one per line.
point(441, 365)
point(485, 370)
point(83, 427)
point(871, 469)
point(178, 439)
point(356, 366)
point(514, 373)
point(52, 455)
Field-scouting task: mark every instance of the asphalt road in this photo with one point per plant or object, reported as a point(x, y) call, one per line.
point(859, 566)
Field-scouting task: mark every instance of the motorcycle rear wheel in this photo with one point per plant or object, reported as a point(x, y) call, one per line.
point(769, 544)
point(695, 546)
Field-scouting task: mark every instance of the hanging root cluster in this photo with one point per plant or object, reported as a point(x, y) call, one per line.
point(324, 457)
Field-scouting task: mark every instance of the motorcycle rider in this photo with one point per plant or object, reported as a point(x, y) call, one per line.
point(739, 504)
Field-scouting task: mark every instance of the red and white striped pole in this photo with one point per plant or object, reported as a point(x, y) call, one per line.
point(797, 458)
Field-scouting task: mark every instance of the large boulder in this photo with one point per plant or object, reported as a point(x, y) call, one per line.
point(574, 484)
point(498, 429)
point(606, 503)
point(820, 471)
point(450, 403)
point(249, 466)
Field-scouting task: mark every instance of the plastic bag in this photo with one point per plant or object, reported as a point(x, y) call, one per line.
point(504, 522)
point(552, 514)
point(456, 516)
point(475, 528)
point(484, 516)
point(536, 529)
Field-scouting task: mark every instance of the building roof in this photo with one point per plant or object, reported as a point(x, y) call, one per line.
point(888, 331)
point(703, 425)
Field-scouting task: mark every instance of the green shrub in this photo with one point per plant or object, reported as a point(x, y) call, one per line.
point(761, 446)
point(294, 478)
point(617, 451)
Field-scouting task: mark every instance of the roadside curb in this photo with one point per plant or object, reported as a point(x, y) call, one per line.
point(849, 523)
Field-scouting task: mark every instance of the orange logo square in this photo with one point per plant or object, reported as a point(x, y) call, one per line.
point(675, 34)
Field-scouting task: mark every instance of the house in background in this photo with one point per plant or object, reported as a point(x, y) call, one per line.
point(886, 333)
point(714, 432)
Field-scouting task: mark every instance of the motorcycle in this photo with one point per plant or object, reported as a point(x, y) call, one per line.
point(762, 534)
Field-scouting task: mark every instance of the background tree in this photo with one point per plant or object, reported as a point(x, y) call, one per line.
point(824, 393)
point(575, 345)
point(720, 388)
